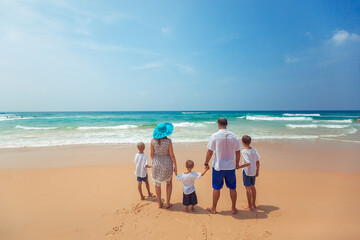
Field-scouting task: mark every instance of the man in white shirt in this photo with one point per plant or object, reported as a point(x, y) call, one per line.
point(226, 146)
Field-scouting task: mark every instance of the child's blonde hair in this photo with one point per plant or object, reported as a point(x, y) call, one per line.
point(189, 164)
point(140, 146)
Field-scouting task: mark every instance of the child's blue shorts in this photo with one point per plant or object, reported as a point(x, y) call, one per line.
point(189, 199)
point(248, 180)
point(219, 176)
point(144, 179)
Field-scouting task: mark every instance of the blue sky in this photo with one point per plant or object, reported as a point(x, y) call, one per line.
point(179, 55)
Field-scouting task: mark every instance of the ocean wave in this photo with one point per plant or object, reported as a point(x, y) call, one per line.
point(267, 118)
point(286, 137)
point(193, 112)
point(302, 114)
point(302, 126)
point(14, 118)
point(188, 124)
point(210, 122)
point(34, 128)
point(333, 121)
point(334, 126)
point(125, 126)
point(241, 117)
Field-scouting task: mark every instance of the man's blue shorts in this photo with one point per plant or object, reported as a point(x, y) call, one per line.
point(144, 179)
point(219, 176)
point(248, 180)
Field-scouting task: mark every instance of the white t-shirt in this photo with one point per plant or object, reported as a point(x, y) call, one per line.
point(250, 156)
point(140, 162)
point(188, 180)
point(224, 143)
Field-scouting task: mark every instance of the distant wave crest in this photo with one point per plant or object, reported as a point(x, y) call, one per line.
point(268, 118)
point(193, 112)
point(302, 114)
point(125, 126)
point(334, 121)
point(302, 126)
point(35, 128)
point(188, 124)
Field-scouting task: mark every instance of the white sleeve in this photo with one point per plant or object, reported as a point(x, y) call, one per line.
point(146, 162)
point(179, 177)
point(258, 156)
point(198, 175)
point(211, 143)
point(238, 145)
point(136, 159)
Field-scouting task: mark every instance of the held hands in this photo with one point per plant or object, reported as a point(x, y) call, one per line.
point(175, 170)
point(238, 166)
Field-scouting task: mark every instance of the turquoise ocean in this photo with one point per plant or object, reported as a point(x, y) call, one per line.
point(40, 129)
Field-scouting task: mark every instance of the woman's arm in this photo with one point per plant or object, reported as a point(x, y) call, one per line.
point(151, 149)
point(172, 155)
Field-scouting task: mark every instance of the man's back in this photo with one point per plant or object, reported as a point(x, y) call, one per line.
point(224, 143)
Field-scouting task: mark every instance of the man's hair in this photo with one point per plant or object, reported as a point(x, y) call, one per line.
point(141, 146)
point(189, 164)
point(222, 121)
point(246, 139)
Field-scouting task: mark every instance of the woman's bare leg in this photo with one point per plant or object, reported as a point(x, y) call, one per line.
point(158, 195)
point(168, 193)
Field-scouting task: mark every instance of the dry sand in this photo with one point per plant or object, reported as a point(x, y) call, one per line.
point(305, 191)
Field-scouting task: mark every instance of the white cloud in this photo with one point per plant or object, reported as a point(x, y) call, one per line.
point(148, 66)
point(165, 30)
point(185, 68)
point(290, 59)
point(342, 36)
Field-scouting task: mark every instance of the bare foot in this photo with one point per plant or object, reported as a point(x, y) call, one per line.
point(142, 197)
point(168, 205)
point(192, 208)
point(150, 195)
point(254, 206)
point(186, 210)
point(160, 205)
point(211, 210)
point(234, 210)
point(247, 208)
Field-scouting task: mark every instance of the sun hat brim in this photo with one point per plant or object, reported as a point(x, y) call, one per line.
point(163, 130)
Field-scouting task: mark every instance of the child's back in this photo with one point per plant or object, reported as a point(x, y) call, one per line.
point(188, 180)
point(250, 156)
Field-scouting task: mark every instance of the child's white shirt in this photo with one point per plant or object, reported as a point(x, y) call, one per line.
point(188, 180)
point(250, 156)
point(140, 162)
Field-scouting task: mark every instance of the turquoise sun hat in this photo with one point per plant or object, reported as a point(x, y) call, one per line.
point(163, 130)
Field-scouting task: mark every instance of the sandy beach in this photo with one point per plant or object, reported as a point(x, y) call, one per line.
point(305, 191)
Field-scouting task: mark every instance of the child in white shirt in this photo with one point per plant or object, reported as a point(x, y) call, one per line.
point(188, 178)
point(251, 165)
point(141, 169)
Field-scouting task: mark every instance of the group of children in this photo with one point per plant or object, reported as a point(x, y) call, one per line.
point(250, 171)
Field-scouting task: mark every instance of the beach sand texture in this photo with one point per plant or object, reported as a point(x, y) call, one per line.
point(305, 191)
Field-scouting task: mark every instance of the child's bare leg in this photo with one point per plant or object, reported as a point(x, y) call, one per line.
point(148, 188)
point(140, 190)
point(186, 209)
point(192, 208)
point(253, 191)
point(248, 195)
point(158, 195)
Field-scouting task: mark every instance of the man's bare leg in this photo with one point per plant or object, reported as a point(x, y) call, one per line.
point(253, 191)
point(216, 196)
point(248, 195)
point(233, 196)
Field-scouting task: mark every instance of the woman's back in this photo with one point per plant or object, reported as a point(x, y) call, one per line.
point(161, 146)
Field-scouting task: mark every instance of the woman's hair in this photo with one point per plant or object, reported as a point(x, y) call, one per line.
point(159, 140)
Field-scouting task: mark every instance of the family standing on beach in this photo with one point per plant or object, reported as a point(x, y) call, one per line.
point(226, 148)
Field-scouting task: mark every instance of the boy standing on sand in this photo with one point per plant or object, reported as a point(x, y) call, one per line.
point(141, 169)
point(251, 165)
point(188, 178)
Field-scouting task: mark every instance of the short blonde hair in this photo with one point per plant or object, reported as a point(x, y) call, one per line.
point(189, 164)
point(140, 146)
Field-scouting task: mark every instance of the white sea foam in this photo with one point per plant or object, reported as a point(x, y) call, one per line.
point(241, 117)
point(125, 126)
point(333, 121)
point(302, 126)
point(209, 122)
point(188, 124)
point(302, 114)
point(193, 112)
point(285, 137)
point(34, 128)
point(334, 126)
point(14, 118)
point(268, 118)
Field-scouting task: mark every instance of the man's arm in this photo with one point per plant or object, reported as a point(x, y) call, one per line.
point(244, 165)
point(208, 157)
point(237, 153)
